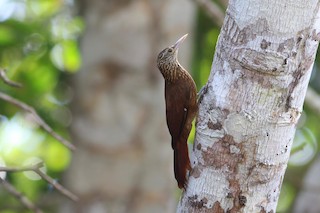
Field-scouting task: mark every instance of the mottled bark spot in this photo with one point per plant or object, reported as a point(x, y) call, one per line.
point(197, 204)
point(226, 112)
point(263, 210)
point(229, 195)
point(195, 172)
point(260, 173)
point(239, 36)
point(315, 35)
point(297, 75)
point(264, 44)
point(281, 47)
point(285, 61)
point(258, 62)
point(217, 208)
point(306, 62)
point(220, 154)
point(239, 200)
point(214, 126)
point(199, 146)
point(234, 149)
point(242, 200)
point(227, 153)
point(286, 46)
point(299, 39)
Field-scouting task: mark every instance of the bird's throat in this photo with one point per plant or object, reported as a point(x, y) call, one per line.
point(171, 72)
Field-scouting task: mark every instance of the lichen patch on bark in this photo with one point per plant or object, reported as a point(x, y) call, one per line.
point(220, 154)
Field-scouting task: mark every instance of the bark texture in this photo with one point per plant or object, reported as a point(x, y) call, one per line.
point(250, 106)
point(124, 159)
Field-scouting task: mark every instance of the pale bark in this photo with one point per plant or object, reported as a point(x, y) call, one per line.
point(251, 104)
point(123, 161)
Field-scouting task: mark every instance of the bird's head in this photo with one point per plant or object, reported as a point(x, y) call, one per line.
point(169, 56)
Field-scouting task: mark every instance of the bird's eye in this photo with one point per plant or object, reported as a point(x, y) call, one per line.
point(170, 50)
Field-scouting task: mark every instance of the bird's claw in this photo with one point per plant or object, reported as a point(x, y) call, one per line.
point(201, 92)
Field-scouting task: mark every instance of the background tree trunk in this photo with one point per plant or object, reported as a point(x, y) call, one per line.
point(124, 159)
point(308, 199)
point(250, 106)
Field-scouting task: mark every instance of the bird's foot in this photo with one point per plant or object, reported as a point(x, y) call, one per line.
point(201, 93)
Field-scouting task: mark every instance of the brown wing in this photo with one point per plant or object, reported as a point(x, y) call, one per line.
point(176, 109)
point(181, 108)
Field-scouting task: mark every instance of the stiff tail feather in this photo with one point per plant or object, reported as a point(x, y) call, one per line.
point(181, 163)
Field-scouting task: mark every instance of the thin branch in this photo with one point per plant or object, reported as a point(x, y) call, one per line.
point(19, 196)
point(36, 168)
point(56, 185)
point(38, 119)
point(6, 80)
point(312, 100)
point(21, 169)
point(212, 9)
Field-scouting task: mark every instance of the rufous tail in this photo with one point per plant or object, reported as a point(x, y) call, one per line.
point(181, 163)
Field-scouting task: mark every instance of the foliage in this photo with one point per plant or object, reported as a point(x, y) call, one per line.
point(38, 48)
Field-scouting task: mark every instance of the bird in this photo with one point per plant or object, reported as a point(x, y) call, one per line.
point(181, 107)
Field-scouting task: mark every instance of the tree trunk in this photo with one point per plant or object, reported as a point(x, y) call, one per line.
point(123, 161)
point(251, 104)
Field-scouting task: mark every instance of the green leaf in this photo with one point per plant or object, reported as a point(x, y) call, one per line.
point(57, 156)
point(7, 36)
point(65, 56)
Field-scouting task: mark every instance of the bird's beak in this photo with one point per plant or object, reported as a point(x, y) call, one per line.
point(177, 44)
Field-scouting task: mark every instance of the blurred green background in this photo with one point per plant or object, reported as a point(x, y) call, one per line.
point(38, 47)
